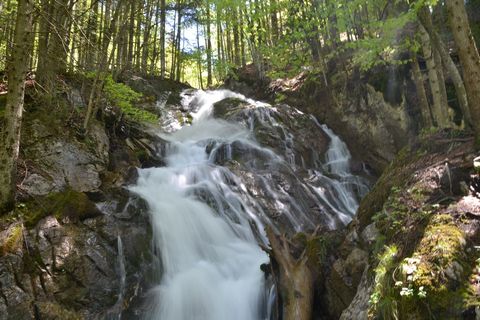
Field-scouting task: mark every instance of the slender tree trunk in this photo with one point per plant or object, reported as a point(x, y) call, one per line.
point(178, 55)
point(209, 46)
point(220, 57)
point(422, 96)
point(242, 40)
point(199, 59)
point(229, 43)
point(448, 63)
point(174, 47)
point(57, 48)
point(236, 37)
point(10, 135)
point(131, 35)
point(439, 109)
point(146, 36)
point(469, 58)
point(138, 36)
point(43, 37)
point(162, 38)
point(274, 20)
point(105, 60)
point(153, 64)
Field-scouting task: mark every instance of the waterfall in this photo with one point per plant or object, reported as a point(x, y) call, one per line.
point(208, 221)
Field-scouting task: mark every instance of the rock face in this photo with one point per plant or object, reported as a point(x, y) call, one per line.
point(78, 244)
point(374, 115)
point(60, 160)
point(282, 128)
point(61, 270)
point(281, 168)
point(410, 252)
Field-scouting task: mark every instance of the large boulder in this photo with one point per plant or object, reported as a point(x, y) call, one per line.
point(410, 252)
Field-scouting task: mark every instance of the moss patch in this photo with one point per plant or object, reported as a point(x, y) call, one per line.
point(433, 271)
point(436, 270)
point(54, 311)
point(70, 204)
point(13, 240)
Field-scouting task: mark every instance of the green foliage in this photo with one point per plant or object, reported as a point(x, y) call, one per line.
point(124, 97)
point(386, 41)
point(382, 301)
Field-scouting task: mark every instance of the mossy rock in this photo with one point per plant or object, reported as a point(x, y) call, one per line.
point(225, 107)
point(438, 267)
point(54, 311)
point(69, 205)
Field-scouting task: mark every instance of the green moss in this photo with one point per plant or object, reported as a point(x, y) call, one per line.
point(68, 204)
point(316, 247)
point(383, 302)
point(13, 241)
point(432, 280)
point(437, 266)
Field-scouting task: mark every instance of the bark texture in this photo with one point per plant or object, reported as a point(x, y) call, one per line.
point(295, 280)
point(469, 58)
point(435, 78)
point(17, 69)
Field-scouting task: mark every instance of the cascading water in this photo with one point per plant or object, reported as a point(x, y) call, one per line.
point(207, 223)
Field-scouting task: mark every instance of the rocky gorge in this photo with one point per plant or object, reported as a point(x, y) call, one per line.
point(79, 243)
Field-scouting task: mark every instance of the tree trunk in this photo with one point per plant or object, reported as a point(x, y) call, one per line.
point(146, 36)
point(199, 58)
point(274, 20)
point(131, 35)
point(295, 280)
point(469, 58)
point(153, 63)
point(162, 38)
point(178, 55)
point(57, 47)
point(43, 37)
point(448, 63)
point(209, 47)
point(17, 69)
point(138, 35)
point(422, 96)
point(105, 60)
point(439, 109)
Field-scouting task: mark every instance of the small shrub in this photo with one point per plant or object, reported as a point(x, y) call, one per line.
point(122, 96)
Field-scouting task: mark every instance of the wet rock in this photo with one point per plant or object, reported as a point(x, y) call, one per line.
point(289, 132)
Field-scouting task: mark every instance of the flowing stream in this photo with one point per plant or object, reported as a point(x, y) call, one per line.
point(207, 223)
